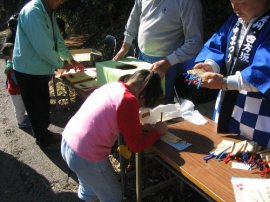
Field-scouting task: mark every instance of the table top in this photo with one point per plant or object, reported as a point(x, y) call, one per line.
point(83, 94)
point(83, 82)
point(213, 177)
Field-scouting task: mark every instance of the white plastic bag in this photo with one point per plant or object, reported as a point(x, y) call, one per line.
point(169, 111)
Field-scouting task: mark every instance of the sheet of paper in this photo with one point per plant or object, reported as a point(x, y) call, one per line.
point(169, 137)
point(81, 57)
point(91, 71)
point(225, 145)
point(238, 147)
point(179, 145)
point(80, 76)
point(251, 189)
point(241, 166)
point(250, 147)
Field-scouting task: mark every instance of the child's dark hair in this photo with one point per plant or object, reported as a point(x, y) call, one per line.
point(151, 84)
point(7, 49)
point(124, 78)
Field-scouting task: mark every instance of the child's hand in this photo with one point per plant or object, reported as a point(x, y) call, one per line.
point(147, 127)
point(161, 128)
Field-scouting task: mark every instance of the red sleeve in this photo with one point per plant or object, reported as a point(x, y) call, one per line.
point(129, 125)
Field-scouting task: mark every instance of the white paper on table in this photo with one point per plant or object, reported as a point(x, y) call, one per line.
point(91, 72)
point(179, 145)
point(171, 111)
point(81, 56)
point(241, 166)
point(251, 189)
point(168, 111)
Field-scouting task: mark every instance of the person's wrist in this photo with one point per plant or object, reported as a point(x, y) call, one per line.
point(224, 84)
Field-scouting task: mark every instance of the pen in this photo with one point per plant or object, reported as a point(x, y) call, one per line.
point(161, 114)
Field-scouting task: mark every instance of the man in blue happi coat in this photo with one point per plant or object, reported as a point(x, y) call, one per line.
point(237, 61)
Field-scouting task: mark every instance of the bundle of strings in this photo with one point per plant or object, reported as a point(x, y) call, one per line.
point(194, 76)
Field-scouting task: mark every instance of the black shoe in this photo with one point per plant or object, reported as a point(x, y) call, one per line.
point(50, 141)
point(55, 137)
point(53, 147)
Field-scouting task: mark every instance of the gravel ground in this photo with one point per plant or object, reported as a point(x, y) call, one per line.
point(26, 172)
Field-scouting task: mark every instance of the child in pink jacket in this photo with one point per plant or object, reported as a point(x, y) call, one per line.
point(92, 131)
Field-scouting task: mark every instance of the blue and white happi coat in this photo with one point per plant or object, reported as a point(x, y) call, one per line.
point(251, 113)
point(250, 117)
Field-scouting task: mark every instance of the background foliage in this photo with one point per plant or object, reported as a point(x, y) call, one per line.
point(97, 18)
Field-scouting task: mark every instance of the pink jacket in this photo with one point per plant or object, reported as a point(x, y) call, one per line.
point(108, 111)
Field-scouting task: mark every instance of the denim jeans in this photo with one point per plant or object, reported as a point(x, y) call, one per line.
point(97, 180)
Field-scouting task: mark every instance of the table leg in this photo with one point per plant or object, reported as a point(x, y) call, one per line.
point(56, 96)
point(138, 177)
point(68, 94)
point(122, 171)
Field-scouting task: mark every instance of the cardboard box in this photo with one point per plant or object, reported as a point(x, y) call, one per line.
point(86, 56)
point(109, 71)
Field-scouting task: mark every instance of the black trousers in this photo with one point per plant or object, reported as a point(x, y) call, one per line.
point(36, 97)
